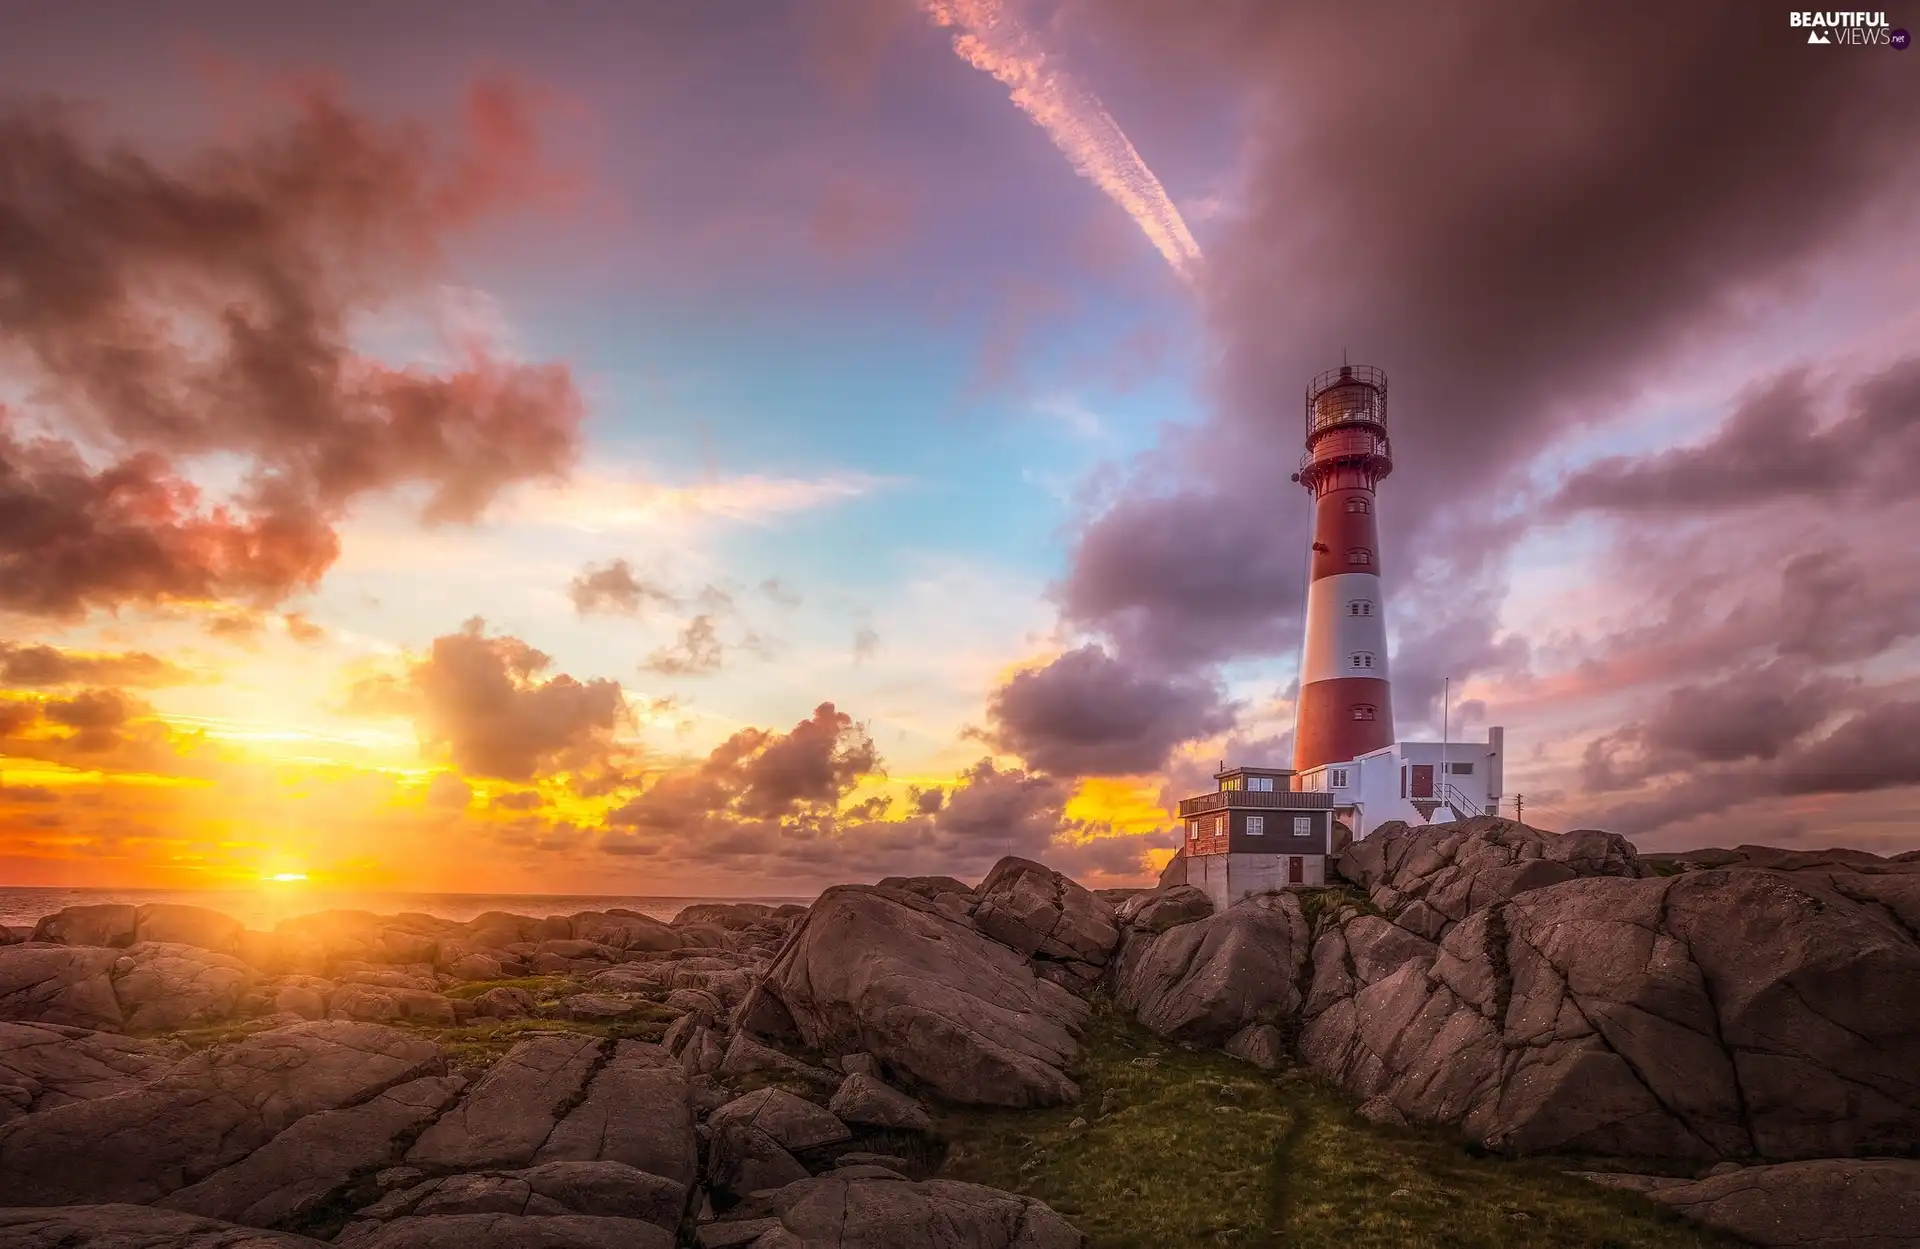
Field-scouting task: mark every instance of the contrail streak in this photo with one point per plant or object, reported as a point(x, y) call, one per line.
point(992, 39)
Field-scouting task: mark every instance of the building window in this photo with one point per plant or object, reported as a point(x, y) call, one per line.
point(1403, 780)
point(1193, 830)
point(1339, 778)
point(1360, 607)
point(1358, 504)
point(1256, 825)
point(1260, 784)
point(1359, 555)
point(1360, 659)
point(1219, 826)
point(1459, 769)
point(1303, 826)
point(1232, 782)
point(1363, 711)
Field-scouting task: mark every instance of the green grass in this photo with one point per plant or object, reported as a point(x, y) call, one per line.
point(542, 988)
point(1287, 1163)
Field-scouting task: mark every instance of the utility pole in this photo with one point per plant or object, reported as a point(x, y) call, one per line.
point(1446, 782)
point(1518, 818)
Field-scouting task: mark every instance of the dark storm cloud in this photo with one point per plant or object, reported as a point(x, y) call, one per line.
point(37, 665)
point(1085, 714)
point(613, 587)
point(485, 704)
point(1521, 215)
point(166, 313)
point(1774, 447)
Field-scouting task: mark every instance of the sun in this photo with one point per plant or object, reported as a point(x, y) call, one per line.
point(287, 877)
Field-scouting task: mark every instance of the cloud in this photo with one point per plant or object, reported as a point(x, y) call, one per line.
point(1087, 714)
point(166, 314)
point(1774, 447)
point(992, 38)
point(696, 652)
point(24, 665)
point(482, 703)
point(614, 588)
point(866, 644)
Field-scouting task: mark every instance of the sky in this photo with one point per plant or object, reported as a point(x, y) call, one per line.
point(736, 447)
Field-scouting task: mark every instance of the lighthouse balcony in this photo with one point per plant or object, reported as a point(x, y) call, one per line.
point(1235, 799)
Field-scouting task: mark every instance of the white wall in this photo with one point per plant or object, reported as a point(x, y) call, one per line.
point(1333, 634)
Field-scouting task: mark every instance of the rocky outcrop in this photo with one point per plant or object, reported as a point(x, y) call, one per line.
point(507, 1231)
point(609, 1191)
point(1205, 980)
point(59, 985)
point(865, 1101)
point(1719, 1014)
point(44, 1066)
point(204, 1114)
point(793, 1123)
point(889, 973)
point(1853, 1203)
point(174, 924)
point(162, 986)
point(1426, 880)
point(109, 924)
point(1068, 931)
point(285, 1180)
point(880, 1208)
point(1156, 910)
point(131, 1227)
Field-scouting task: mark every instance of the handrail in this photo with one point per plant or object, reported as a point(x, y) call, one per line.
point(1461, 804)
point(1282, 800)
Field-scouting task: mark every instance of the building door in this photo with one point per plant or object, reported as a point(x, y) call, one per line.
point(1296, 869)
point(1422, 781)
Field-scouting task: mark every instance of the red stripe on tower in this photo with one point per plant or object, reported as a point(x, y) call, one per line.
point(1346, 702)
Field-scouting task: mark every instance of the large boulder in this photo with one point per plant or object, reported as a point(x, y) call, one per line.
point(1429, 879)
point(1722, 1014)
point(876, 1209)
point(626, 930)
point(188, 925)
point(1156, 910)
point(865, 1101)
point(304, 1167)
point(1831, 1203)
point(57, 984)
point(104, 924)
point(121, 1226)
point(43, 1066)
point(794, 1123)
point(207, 1112)
point(606, 1190)
point(1205, 980)
point(891, 974)
point(162, 986)
point(383, 1005)
point(1066, 929)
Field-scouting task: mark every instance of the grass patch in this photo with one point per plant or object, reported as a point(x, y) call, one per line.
point(1315, 903)
point(1286, 1163)
point(542, 988)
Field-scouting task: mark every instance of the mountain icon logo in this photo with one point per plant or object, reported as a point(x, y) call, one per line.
point(1814, 36)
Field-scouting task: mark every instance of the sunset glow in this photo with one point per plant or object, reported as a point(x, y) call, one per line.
point(728, 450)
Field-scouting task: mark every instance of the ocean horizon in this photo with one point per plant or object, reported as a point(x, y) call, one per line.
point(23, 906)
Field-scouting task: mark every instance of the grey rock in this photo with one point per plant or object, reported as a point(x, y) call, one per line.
point(205, 1113)
point(871, 1210)
point(175, 924)
point(1831, 1203)
point(107, 924)
point(598, 1008)
point(298, 1170)
point(504, 1003)
point(648, 979)
point(1260, 1044)
point(627, 931)
point(1429, 879)
point(513, 1110)
point(121, 1226)
point(162, 986)
point(731, 1235)
point(1043, 915)
point(1202, 982)
point(476, 965)
point(861, 1158)
point(507, 1231)
point(43, 1066)
point(866, 1102)
point(57, 984)
point(742, 1159)
point(792, 1122)
point(1160, 909)
point(305, 996)
point(1726, 1013)
point(638, 1110)
point(384, 1005)
point(744, 1055)
point(600, 1189)
point(887, 973)
point(858, 1064)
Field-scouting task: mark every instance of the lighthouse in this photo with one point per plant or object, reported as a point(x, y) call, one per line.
point(1345, 708)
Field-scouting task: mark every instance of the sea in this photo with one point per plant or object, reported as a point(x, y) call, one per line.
point(263, 908)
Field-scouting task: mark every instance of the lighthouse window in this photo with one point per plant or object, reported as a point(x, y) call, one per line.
point(1359, 505)
point(1360, 659)
point(1359, 555)
point(1362, 711)
point(1339, 778)
point(1360, 607)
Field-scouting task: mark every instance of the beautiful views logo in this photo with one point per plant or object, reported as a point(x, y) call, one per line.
point(1859, 29)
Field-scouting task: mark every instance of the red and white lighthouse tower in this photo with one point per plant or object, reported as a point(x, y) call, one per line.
point(1346, 702)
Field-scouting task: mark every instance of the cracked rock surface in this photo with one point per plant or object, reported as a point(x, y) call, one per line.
point(1832, 1203)
point(1067, 930)
point(892, 974)
point(131, 1227)
point(1715, 1015)
point(43, 1066)
point(884, 1209)
point(1205, 980)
